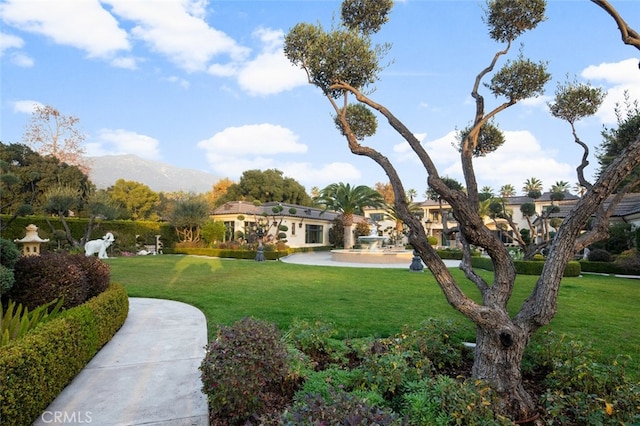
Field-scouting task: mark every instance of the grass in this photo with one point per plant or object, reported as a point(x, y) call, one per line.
point(599, 310)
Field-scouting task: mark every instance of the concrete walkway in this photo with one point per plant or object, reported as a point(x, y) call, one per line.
point(146, 375)
point(323, 258)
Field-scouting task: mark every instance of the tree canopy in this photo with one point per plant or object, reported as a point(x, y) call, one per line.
point(265, 186)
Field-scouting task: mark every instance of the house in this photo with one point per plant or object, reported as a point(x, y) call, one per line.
point(301, 226)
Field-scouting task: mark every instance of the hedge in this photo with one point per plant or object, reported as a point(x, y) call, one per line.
point(37, 367)
point(608, 268)
point(229, 253)
point(125, 231)
point(526, 267)
point(269, 254)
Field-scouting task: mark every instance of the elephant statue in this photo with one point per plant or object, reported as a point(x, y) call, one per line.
point(99, 246)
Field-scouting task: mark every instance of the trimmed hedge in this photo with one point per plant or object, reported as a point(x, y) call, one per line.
point(607, 268)
point(37, 367)
point(229, 253)
point(525, 267)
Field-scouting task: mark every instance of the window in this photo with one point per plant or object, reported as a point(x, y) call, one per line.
point(313, 234)
point(377, 217)
point(229, 232)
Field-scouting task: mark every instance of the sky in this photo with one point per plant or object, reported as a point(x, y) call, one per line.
point(205, 85)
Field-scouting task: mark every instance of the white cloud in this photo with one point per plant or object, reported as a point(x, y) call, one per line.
point(440, 150)
point(236, 149)
point(22, 60)
point(520, 158)
point(310, 175)
point(125, 62)
point(270, 72)
point(253, 139)
point(81, 24)
point(9, 41)
point(26, 106)
point(119, 141)
point(177, 30)
point(618, 78)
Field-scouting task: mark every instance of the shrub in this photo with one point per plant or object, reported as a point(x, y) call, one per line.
point(41, 279)
point(579, 389)
point(443, 400)
point(599, 255)
point(36, 367)
point(97, 272)
point(244, 368)
point(7, 279)
point(316, 340)
point(340, 408)
point(16, 321)
point(9, 253)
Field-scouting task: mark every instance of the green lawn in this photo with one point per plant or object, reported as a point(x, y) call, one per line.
point(604, 311)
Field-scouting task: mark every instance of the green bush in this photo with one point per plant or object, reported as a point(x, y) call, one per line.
point(35, 368)
point(229, 253)
point(7, 279)
point(16, 321)
point(443, 400)
point(9, 253)
point(340, 408)
point(50, 276)
point(527, 267)
point(609, 268)
point(599, 255)
point(244, 368)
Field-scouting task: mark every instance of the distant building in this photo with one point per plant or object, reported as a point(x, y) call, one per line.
point(431, 213)
point(306, 226)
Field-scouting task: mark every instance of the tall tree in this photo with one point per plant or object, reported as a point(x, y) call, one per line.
point(615, 140)
point(348, 201)
point(342, 62)
point(265, 186)
point(188, 215)
point(507, 191)
point(137, 199)
point(50, 132)
point(218, 191)
point(386, 191)
point(27, 176)
point(532, 187)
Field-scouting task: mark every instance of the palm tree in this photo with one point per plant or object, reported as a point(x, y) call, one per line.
point(507, 190)
point(411, 194)
point(394, 214)
point(348, 201)
point(560, 186)
point(532, 187)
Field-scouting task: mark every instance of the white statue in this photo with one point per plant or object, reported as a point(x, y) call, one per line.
point(99, 246)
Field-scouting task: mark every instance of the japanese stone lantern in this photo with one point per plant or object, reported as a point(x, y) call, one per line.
point(31, 242)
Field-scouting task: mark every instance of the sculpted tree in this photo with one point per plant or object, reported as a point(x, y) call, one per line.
point(342, 62)
point(51, 133)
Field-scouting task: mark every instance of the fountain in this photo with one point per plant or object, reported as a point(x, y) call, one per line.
point(374, 252)
point(373, 240)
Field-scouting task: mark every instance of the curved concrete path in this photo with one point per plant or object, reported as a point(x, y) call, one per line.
point(146, 375)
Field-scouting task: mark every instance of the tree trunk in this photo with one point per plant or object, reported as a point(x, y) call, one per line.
point(347, 222)
point(498, 358)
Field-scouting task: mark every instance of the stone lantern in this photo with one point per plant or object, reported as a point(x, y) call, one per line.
point(31, 242)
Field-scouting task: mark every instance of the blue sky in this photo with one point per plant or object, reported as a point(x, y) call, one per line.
point(204, 85)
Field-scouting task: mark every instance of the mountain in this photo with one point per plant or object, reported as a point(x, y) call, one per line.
point(160, 177)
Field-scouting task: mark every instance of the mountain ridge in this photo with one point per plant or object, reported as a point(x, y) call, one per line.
point(159, 176)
